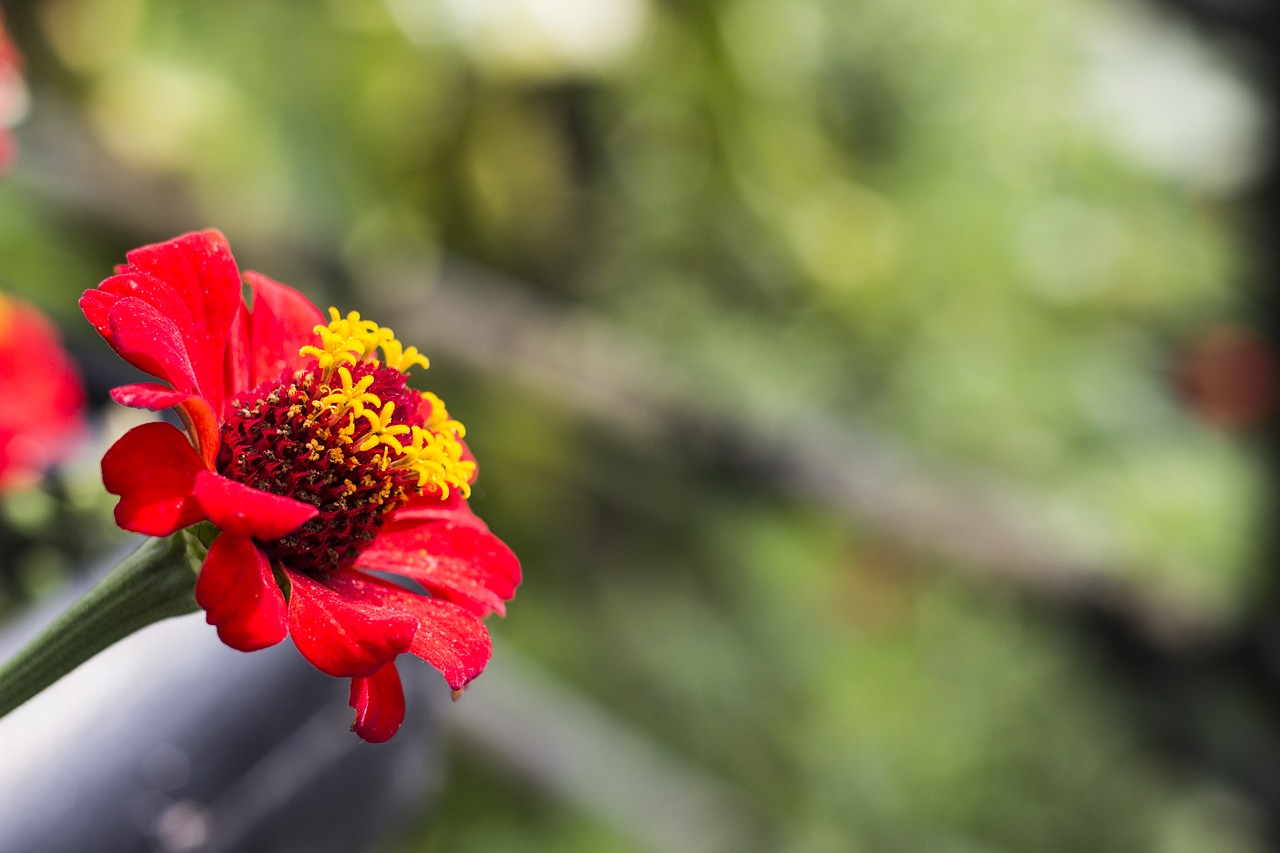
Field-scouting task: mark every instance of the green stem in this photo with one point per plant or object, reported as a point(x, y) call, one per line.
point(153, 583)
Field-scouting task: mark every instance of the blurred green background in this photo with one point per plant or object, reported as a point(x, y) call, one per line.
point(818, 356)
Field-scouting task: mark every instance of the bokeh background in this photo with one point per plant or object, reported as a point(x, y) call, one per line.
point(877, 393)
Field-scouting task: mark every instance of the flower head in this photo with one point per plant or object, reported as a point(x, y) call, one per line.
point(306, 447)
point(35, 370)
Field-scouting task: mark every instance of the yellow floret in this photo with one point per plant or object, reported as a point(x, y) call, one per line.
point(440, 420)
point(349, 396)
point(351, 339)
point(433, 453)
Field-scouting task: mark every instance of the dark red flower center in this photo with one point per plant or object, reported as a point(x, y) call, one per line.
point(347, 435)
point(283, 438)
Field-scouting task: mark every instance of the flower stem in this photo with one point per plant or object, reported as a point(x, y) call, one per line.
point(153, 583)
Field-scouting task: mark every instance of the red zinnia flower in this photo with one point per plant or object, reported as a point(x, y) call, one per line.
point(37, 376)
point(309, 452)
point(1228, 376)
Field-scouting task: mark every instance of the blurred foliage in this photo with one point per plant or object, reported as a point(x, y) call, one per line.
point(39, 554)
point(932, 220)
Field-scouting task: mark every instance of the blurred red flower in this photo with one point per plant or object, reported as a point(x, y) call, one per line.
point(13, 97)
point(1227, 376)
point(37, 377)
point(307, 449)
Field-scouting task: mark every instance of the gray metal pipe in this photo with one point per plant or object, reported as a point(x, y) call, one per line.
point(170, 741)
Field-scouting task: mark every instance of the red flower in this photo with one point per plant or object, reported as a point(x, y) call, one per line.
point(35, 370)
point(13, 97)
point(1228, 376)
point(307, 449)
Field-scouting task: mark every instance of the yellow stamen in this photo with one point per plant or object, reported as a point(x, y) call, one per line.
point(433, 453)
point(440, 420)
point(437, 460)
point(350, 340)
point(398, 358)
point(350, 396)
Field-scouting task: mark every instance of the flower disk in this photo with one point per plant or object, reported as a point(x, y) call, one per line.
point(346, 435)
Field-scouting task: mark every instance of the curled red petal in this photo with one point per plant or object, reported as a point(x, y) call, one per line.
point(140, 285)
point(378, 700)
point(152, 342)
point(466, 565)
point(451, 639)
point(153, 468)
point(283, 322)
point(240, 596)
point(197, 414)
point(94, 304)
point(246, 511)
point(341, 635)
point(200, 268)
point(193, 409)
point(97, 304)
point(148, 395)
point(96, 307)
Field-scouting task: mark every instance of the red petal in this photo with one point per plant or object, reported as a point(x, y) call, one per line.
point(448, 637)
point(153, 469)
point(240, 596)
point(150, 341)
point(238, 367)
point(452, 640)
point(97, 308)
point(284, 321)
point(194, 410)
point(379, 703)
point(97, 304)
point(246, 511)
point(197, 414)
point(199, 266)
point(342, 636)
point(147, 395)
point(466, 565)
